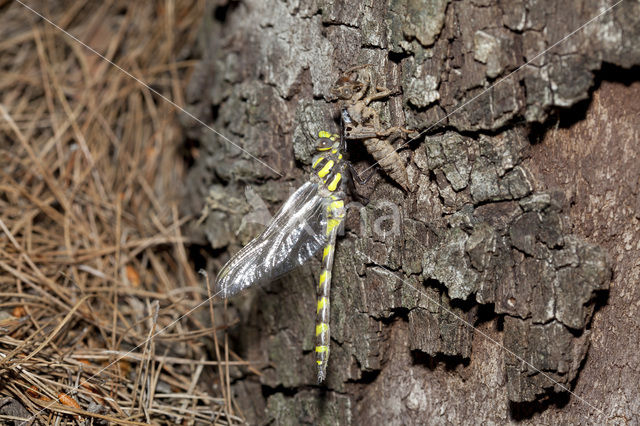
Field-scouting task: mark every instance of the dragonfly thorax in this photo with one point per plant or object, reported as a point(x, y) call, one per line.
point(328, 164)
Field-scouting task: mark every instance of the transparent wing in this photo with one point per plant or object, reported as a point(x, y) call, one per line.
point(294, 235)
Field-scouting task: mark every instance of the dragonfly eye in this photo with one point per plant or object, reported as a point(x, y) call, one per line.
point(324, 144)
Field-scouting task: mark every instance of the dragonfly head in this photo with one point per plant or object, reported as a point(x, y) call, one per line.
point(350, 86)
point(327, 141)
point(346, 88)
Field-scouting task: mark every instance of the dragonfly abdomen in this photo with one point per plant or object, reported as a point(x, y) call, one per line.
point(335, 216)
point(390, 161)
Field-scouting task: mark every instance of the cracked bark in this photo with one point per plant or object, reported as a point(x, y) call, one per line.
point(526, 212)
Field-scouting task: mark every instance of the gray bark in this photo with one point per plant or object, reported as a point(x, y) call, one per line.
point(525, 220)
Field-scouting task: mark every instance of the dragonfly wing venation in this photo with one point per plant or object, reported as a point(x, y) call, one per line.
point(293, 236)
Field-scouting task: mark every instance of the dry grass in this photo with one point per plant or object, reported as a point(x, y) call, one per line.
point(91, 252)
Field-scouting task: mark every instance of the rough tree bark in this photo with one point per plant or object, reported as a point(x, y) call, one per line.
point(525, 220)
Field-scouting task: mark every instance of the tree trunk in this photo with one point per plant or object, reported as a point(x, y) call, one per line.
point(505, 286)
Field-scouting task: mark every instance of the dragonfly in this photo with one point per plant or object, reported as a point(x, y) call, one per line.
point(309, 220)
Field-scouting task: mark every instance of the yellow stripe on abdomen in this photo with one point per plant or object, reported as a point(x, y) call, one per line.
point(335, 205)
point(323, 278)
point(322, 348)
point(327, 251)
point(321, 304)
point(331, 224)
point(321, 328)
